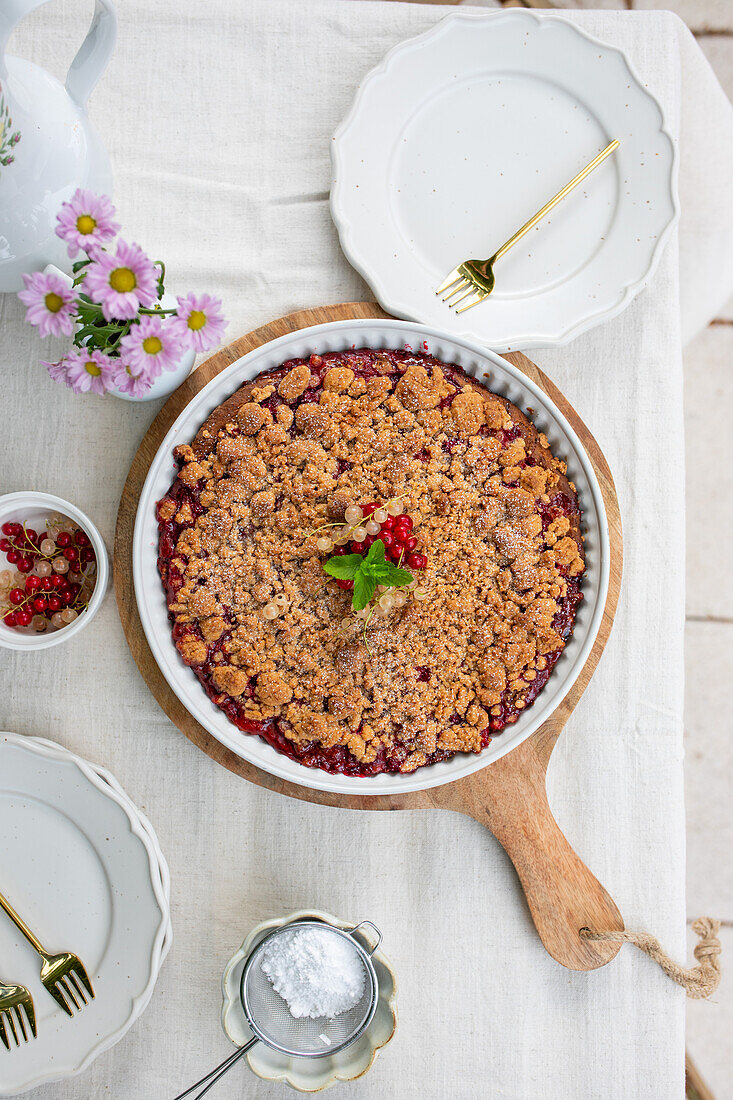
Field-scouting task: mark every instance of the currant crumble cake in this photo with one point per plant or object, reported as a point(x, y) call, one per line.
point(461, 491)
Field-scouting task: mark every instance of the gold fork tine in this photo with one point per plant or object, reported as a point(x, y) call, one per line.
point(470, 305)
point(80, 975)
point(78, 987)
point(469, 294)
point(9, 1018)
point(55, 991)
point(21, 1021)
point(3, 1032)
point(454, 276)
point(70, 991)
point(31, 1014)
point(458, 290)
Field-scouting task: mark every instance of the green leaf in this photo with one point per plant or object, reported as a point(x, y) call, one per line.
point(396, 578)
point(364, 588)
point(375, 555)
point(344, 568)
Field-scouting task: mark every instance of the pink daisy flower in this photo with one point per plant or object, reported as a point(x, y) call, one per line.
point(136, 384)
point(89, 371)
point(51, 304)
point(86, 221)
point(57, 371)
point(121, 282)
point(151, 346)
point(199, 322)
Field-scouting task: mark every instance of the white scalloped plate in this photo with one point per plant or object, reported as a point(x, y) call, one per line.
point(85, 870)
point(462, 133)
point(499, 375)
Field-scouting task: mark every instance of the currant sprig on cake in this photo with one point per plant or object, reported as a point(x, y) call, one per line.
point(365, 572)
point(382, 559)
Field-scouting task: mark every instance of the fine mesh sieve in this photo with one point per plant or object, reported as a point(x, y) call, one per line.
point(269, 1016)
point(271, 1021)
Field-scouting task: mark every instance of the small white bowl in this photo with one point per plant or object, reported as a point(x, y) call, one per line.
point(34, 509)
point(309, 1074)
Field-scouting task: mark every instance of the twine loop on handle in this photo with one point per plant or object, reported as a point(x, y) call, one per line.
point(697, 981)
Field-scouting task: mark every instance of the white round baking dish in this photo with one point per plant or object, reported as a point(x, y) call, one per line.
point(500, 376)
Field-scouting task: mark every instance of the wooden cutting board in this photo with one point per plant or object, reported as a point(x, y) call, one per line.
point(507, 796)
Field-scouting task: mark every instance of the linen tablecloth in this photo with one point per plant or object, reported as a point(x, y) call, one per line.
point(218, 118)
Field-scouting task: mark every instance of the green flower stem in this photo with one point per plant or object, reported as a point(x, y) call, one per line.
point(161, 280)
point(97, 332)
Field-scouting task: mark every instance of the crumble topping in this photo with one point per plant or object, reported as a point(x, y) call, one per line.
point(493, 512)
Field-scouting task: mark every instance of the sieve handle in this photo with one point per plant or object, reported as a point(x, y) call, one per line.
point(373, 926)
point(209, 1079)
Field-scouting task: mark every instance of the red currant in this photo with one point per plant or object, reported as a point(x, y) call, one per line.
point(25, 565)
point(31, 536)
point(13, 557)
point(346, 585)
point(10, 618)
point(387, 538)
point(40, 604)
point(87, 555)
point(81, 538)
point(410, 544)
point(54, 603)
point(388, 524)
point(416, 561)
point(11, 529)
point(23, 618)
point(71, 553)
point(5, 545)
point(32, 584)
point(395, 553)
point(63, 539)
point(367, 544)
point(74, 590)
point(339, 551)
point(367, 509)
point(47, 584)
point(17, 595)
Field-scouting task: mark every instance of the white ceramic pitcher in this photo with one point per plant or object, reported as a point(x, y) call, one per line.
point(47, 145)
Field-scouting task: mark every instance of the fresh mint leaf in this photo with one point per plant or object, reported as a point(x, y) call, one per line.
point(375, 555)
point(395, 577)
point(364, 588)
point(344, 568)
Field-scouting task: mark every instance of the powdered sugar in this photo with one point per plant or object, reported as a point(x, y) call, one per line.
point(317, 972)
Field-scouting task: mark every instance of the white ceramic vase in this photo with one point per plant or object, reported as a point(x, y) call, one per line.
point(166, 382)
point(47, 145)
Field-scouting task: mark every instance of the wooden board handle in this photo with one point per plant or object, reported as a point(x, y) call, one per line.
point(510, 798)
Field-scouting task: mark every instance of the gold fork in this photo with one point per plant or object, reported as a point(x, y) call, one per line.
point(13, 998)
point(476, 277)
point(63, 975)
